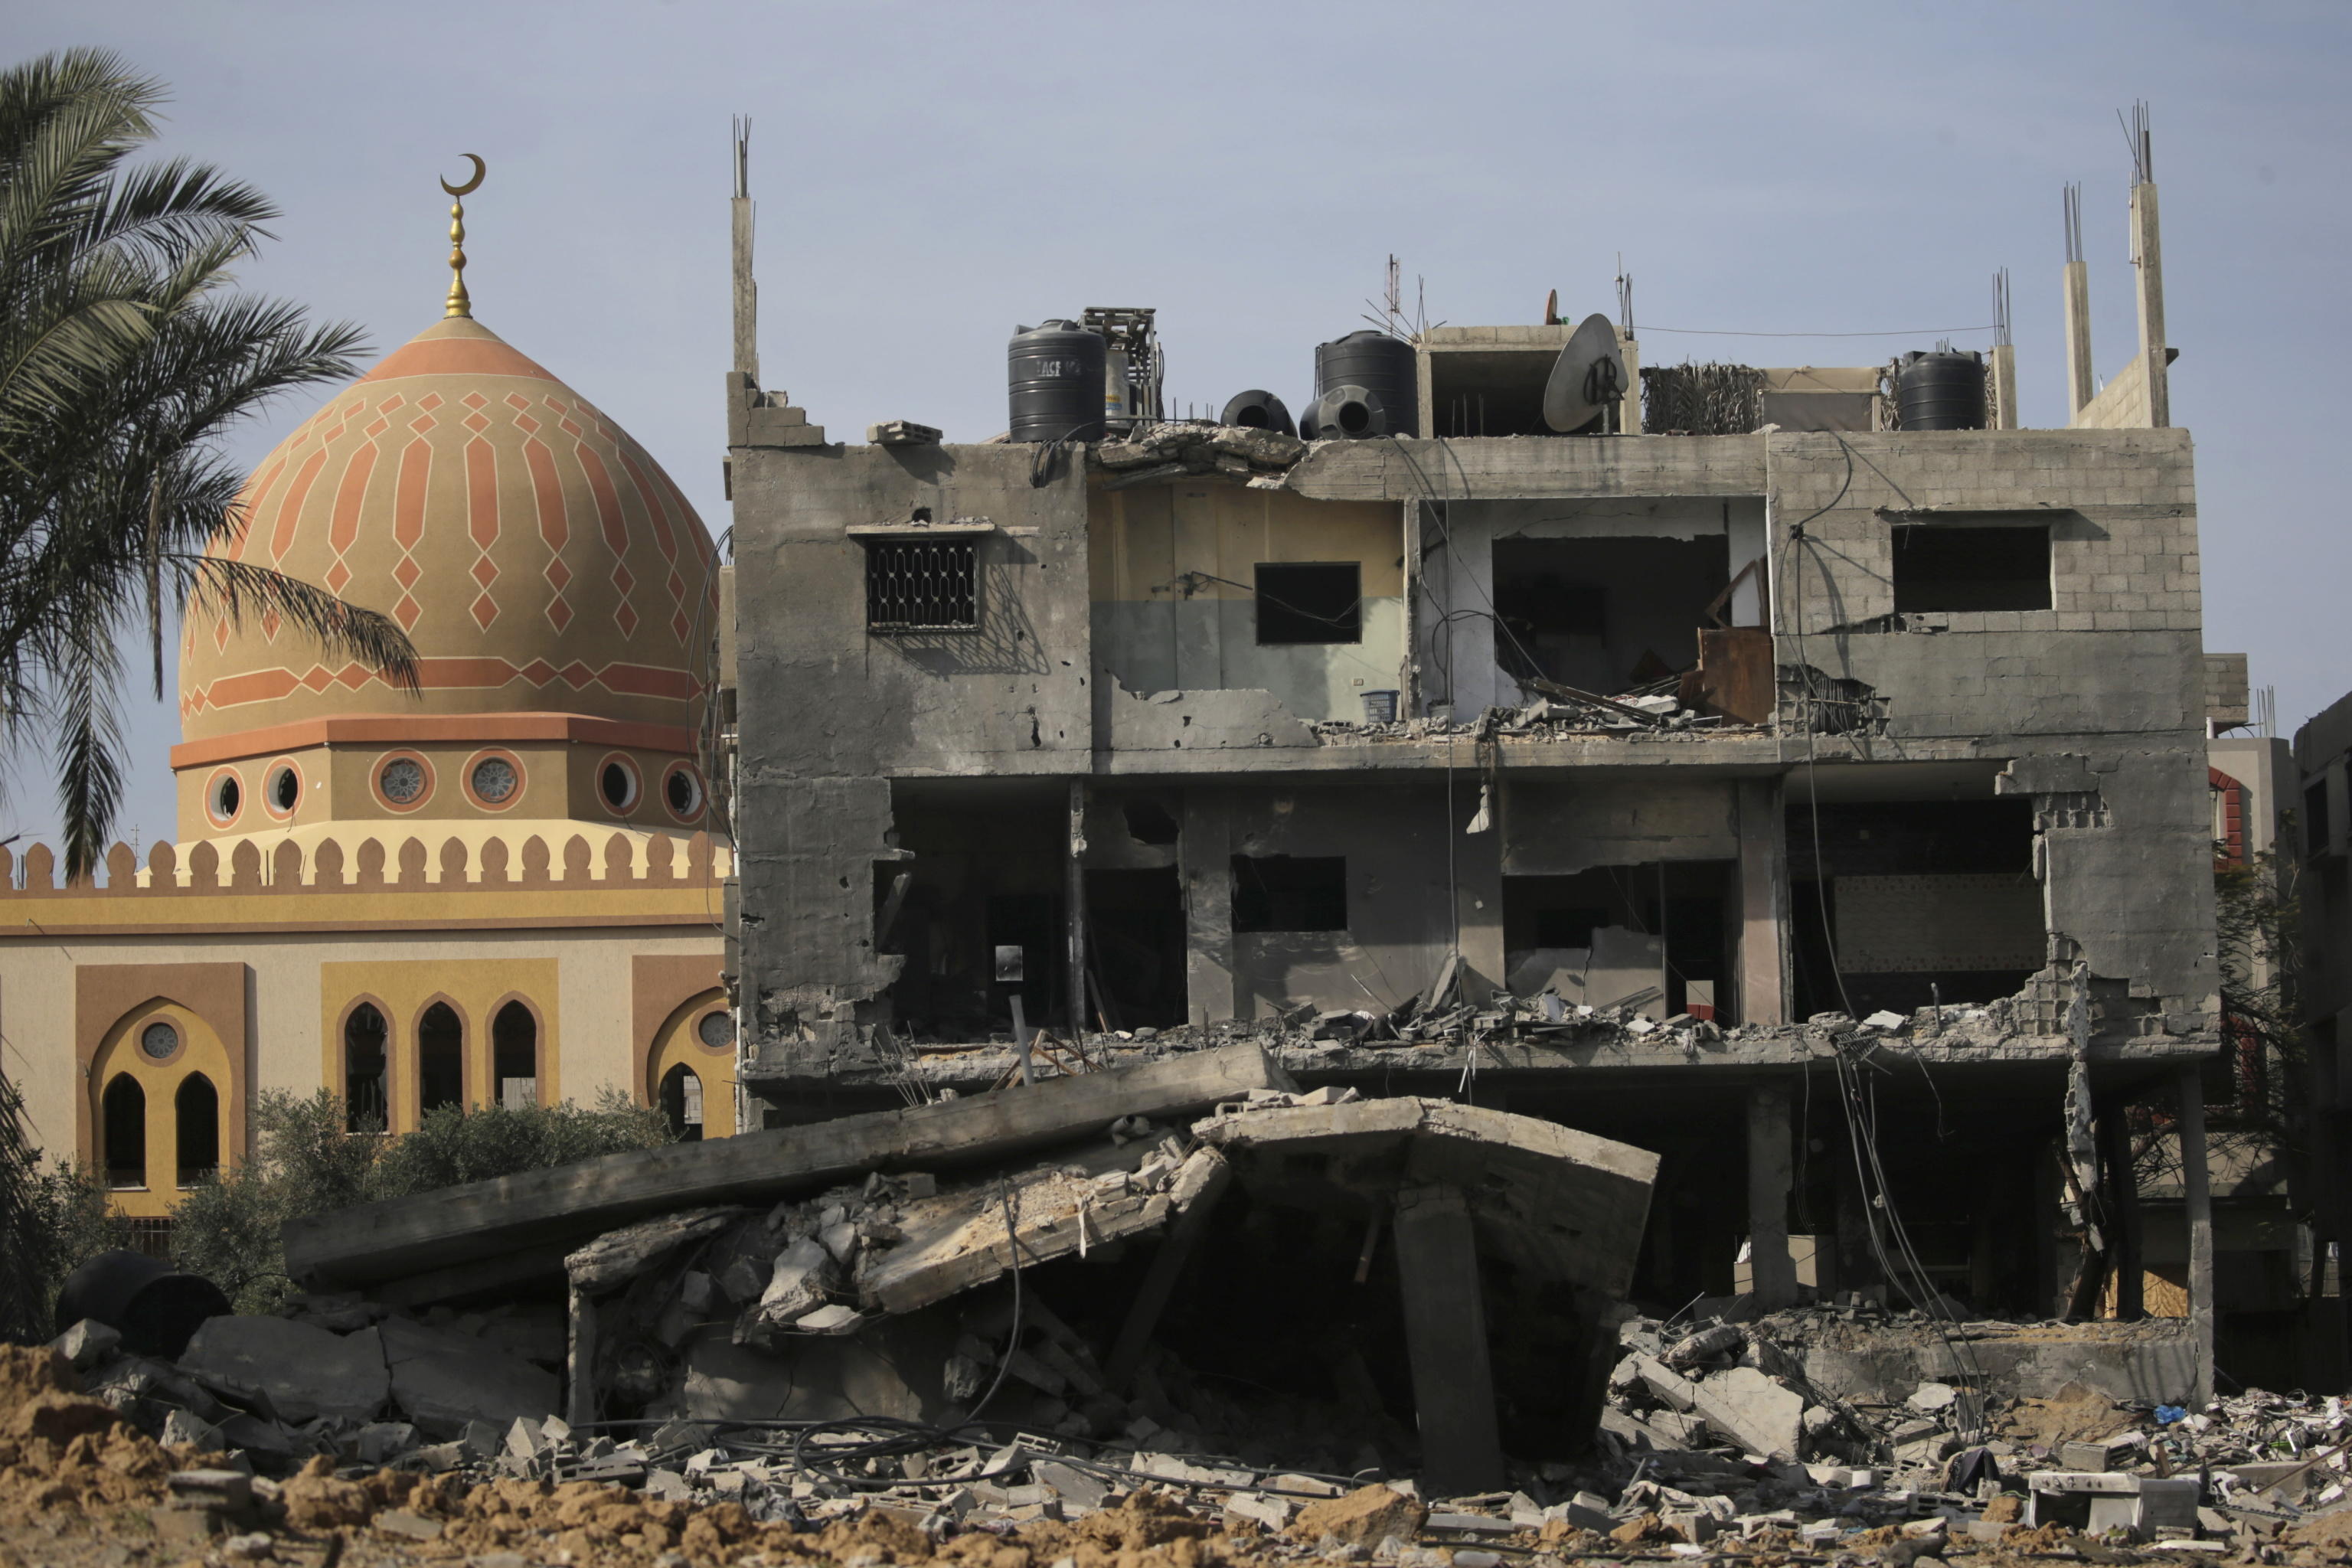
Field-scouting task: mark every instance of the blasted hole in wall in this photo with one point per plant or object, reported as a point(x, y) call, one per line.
point(1136, 949)
point(1603, 614)
point(1309, 602)
point(1904, 901)
point(1149, 822)
point(1290, 892)
point(1944, 567)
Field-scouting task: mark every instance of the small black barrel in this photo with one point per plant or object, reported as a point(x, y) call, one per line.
point(1056, 380)
point(1941, 391)
point(1384, 365)
point(156, 1309)
point(1258, 409)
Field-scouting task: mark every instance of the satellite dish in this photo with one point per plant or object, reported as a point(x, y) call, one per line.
point(1589, 375)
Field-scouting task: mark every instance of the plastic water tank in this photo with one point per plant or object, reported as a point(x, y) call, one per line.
point(156, 1309)
point(1258, 409)
point(1056, 378)
point(1348, 413)
point(1941, 391)
point(1382, 365)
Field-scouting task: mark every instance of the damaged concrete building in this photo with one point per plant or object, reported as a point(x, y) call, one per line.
point(1780, 779)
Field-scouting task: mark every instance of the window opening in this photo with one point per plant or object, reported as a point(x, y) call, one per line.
point(681, 1103)
point(228, 797)
point(495, 780)
point(158, 1040)
point(618, 785)
point(1149, 822)
point(285, 788)
point(1939, 567)
point(683, 790)
point(2315, 820)
point(401, 781)
point(1290, 892)
point(367, 1101)
point(440, 1058)
point(197, 1115)
point(125, 1107)
point(514, 1055)
point(1309, 602)
point(922, 584)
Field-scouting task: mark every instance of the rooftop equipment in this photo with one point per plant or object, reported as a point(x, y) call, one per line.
point(1353, 414)
point(1057, 371)
point(1941, 391)
point(1385, 367)
point(1133, 367)
point(1258, 409)
point(1588, 377)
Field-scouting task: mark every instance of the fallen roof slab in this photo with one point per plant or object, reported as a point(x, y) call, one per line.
point(1562, 1204)
point(543, 1210)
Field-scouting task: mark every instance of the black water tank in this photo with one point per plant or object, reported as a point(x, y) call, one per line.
point(1941, 391)
point(1346, 413)
point(1056, 370)
point(1382, 365)
point(1258, 409)
point(156, 1309)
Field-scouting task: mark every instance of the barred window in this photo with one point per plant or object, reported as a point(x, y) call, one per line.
point(921, 585)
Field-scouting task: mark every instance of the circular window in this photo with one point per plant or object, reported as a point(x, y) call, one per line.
point(716, 1030)
point(682, 791)
point(283, 789)
point(402, 782)
point(616, 784)
point(224, 798)
point(159, 1040)
point(494, 780)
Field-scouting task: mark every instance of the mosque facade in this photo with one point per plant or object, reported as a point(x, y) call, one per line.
point(502, 886)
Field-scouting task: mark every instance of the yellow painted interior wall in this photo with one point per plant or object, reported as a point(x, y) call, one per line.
point(475, 988)
point(201, 1050)
point(675, 1042)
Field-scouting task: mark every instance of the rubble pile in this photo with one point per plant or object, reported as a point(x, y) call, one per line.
point(1257, 456)
point(1651, 710)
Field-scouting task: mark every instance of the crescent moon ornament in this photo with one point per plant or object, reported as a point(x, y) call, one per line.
point(470, 186)
point(459, 302)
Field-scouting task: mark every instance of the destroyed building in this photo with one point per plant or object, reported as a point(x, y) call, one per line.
point(1799, 774)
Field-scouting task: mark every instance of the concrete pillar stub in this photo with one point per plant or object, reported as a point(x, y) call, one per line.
point(1771, 1174)
point(1445, 1336)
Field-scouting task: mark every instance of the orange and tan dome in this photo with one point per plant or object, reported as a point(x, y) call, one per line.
point(539, 559)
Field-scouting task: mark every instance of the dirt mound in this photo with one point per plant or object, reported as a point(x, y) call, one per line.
point(2075, 1415)
point(1365, 1516)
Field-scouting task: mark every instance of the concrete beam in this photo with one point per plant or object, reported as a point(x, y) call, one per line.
point(493, 1219)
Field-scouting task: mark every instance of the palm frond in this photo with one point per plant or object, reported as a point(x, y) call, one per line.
point(215, 585)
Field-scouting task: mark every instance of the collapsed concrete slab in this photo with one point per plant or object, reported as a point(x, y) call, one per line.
point(441, 1380)
point(486, 1234)
point(301, 1372)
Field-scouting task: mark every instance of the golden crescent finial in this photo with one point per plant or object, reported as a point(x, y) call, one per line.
point(459, 302)
point(470, 186)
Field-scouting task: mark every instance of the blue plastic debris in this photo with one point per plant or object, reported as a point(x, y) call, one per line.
point(2166, 1414)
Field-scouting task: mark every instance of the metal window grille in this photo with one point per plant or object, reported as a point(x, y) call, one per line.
point(921, 585)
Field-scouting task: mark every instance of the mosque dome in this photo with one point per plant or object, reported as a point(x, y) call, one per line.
point(536, 555)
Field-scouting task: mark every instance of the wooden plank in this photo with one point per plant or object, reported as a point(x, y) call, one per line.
point(402, 1237)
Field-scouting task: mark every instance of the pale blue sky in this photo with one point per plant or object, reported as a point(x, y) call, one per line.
point(930, 175)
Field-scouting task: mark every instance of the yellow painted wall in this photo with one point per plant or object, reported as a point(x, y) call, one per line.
point(677, 1042)
point(475, 987)
point(201, 1051)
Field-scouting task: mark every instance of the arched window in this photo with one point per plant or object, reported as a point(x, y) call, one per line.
point(126, 1132)
point(440, 1058)
point(196, 1113)
point(681, 1102)
point(514, 1055)
point(367, 1071)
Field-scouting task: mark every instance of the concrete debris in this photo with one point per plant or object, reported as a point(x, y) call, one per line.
point(1168, 451)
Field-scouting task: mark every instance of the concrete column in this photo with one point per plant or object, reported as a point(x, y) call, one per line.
point(2123, 1184)
point(1074, 898)
point(2079, 378)
point(1205, 861)
point(2147, 255)
point(1629, 407)
point(2327, 1314)
point(1445, 1336)
point(1764, 987)
point(1771, 1174)
point(2198, 1194)
point(2004, 386)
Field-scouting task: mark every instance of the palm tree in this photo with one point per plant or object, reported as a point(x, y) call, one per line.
point(124, 358)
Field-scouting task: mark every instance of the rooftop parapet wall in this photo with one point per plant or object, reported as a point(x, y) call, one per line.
point(326, 884)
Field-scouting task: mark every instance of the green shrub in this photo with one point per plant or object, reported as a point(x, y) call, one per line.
point(307, 1162)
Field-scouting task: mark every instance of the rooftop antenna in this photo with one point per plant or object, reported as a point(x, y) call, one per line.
point(1624, 296)
point(459, 302)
